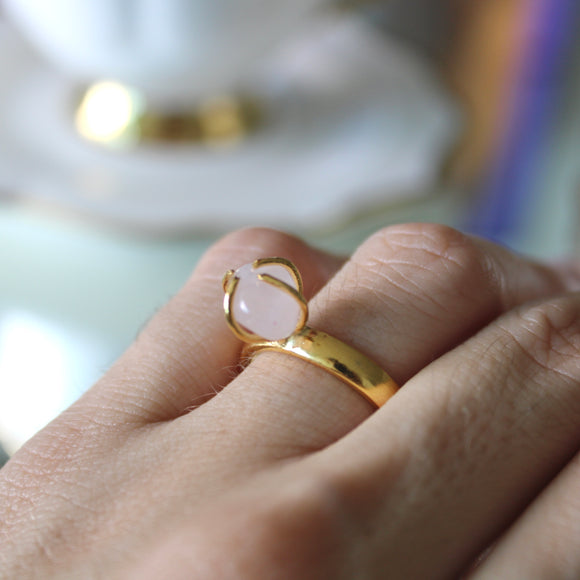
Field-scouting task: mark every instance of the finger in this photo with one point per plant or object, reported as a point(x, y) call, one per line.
point(407, 295)
point(186, 353)
point(460, 451)
point(183, 353)
point(544, 543)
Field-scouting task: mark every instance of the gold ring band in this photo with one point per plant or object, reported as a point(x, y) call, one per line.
point(336, 357)
point(265, 307)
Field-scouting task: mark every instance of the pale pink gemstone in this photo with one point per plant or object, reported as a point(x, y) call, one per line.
point(263, 309)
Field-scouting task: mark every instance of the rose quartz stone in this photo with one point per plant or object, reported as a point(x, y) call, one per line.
point(263, 309)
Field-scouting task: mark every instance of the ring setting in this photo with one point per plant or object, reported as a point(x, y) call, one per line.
point(264, 306)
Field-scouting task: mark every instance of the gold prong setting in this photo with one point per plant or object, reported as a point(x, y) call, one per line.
point(268, 292)
point(226, 279)
point(264, 300)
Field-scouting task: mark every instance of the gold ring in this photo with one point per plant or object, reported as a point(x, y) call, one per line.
point(265, 307)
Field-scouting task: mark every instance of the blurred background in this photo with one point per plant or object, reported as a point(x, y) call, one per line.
point(132, 135)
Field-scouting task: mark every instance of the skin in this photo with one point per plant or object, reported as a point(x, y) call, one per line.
point(176, 465)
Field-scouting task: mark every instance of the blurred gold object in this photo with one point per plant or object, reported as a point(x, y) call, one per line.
point(118, 116)
point(481, 67)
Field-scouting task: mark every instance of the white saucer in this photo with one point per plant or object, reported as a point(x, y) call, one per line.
point(355, 120)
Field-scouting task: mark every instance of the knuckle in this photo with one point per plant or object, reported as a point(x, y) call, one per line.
point(549, 333)
point(420, 254)
point(256, 238)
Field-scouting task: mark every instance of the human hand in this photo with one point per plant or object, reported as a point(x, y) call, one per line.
point(174, 466)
